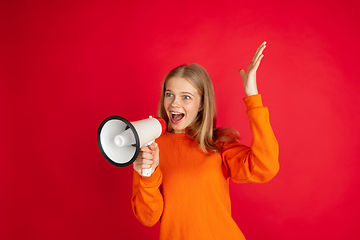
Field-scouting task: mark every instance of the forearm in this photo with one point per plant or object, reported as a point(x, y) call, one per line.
point(147, 201)
point(264, 146)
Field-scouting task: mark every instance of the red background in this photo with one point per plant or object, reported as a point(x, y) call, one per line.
point(67, 65)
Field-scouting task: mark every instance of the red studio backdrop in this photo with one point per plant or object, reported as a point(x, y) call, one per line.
point(67, 65)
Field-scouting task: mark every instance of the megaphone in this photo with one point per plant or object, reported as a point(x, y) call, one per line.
point(120, 141)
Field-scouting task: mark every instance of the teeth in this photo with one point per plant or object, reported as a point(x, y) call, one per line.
point(175, 113)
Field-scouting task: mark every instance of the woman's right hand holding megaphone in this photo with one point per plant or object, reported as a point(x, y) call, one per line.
point(148, 158)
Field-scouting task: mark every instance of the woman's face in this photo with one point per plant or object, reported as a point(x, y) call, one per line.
point(182, 103)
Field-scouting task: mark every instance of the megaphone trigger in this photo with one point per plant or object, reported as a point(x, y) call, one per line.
point(149, 143)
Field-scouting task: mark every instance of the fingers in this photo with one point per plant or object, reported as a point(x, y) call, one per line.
point(258, 60)
point(146, 164)
point(259, 51)
point(258, 54)
point(146, 157)
point(257, 57)
point(153, 147)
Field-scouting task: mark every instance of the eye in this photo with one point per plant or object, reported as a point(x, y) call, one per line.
point(186, 97)
point(168, 95)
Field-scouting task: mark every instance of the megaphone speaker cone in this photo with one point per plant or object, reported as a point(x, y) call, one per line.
point(118, 141)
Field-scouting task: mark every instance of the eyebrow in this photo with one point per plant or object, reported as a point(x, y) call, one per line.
point(188, 93)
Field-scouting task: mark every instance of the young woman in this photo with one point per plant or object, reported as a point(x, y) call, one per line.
point(193, 161)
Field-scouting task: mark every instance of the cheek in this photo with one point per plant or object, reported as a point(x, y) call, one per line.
point(194, 110)
point(198, 107)
point(166, 104)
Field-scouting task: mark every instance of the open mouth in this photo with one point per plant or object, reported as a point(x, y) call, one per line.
point(176, 117)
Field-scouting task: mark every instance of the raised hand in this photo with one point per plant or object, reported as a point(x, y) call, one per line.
point(249, 77)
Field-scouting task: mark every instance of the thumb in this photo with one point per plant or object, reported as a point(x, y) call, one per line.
point(154, 147)
point(242, 72)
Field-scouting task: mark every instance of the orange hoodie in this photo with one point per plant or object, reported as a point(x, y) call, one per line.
point(189, 190)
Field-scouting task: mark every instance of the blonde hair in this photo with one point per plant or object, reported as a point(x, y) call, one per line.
point(202, 129)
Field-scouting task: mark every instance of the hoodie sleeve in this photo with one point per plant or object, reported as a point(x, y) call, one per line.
point(259, 162)
point(147, 201)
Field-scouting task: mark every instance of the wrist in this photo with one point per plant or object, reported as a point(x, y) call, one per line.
point(251, 92)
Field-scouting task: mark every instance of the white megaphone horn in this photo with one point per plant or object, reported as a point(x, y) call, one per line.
point(120, 141)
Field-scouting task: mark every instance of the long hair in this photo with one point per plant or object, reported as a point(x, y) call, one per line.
point(202, 129)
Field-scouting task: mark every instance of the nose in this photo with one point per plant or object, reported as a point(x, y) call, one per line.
point(175, 102)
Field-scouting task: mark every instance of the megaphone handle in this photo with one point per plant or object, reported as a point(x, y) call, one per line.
point(147, 172)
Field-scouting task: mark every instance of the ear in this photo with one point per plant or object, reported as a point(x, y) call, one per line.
point(201, 108)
